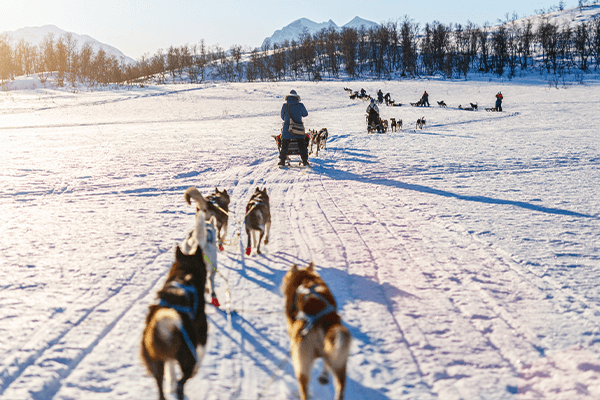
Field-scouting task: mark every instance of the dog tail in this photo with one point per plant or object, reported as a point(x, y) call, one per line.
point(337, 345)
point(198, 237)
point(193, 193)
point(162, 337)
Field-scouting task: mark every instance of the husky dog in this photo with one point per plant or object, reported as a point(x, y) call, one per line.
point(258, 220)
point(204, 235)
point(176, 328)
point(473, 106)
point(395, 125)
point(420, 123)
point(218, 206)
point(348, 90)
point(320, 139)
point(442, 103)
point(315, 329)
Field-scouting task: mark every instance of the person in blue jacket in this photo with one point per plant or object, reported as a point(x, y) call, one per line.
point(297, 111)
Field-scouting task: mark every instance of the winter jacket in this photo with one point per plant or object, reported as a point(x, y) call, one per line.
point(372, 106)
point(297, 110)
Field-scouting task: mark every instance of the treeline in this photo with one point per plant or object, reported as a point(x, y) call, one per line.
point(392, 49)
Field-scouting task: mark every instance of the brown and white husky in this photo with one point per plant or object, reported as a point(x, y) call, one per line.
point(315, 328)
point(176, 326)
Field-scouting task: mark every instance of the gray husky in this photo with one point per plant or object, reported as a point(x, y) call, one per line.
point(258, 220)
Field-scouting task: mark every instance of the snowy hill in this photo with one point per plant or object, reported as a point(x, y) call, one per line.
point(572, 16)
point(35, 35)
point(293, 30)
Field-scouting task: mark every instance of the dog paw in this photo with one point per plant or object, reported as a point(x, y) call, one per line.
point(248, 250)
point(215, 302)
point(221, 248)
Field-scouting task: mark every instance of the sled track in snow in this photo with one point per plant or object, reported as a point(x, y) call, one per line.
point(41, 351)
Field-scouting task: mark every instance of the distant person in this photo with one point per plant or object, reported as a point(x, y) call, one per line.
point(499, 99)
point(425, 99)
point(387, 98)
point(373, 114)
point(292, 108)
point(363, 92)
point(380, 96)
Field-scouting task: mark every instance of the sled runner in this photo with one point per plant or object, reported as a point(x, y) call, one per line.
point(493, 109)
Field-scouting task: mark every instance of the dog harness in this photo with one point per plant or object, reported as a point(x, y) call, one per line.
point(190, 311)
point(311, 320)
point(253, 203)
point(213, 201)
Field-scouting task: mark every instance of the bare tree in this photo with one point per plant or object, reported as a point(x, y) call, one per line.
point(349, 42)
point(6, 59)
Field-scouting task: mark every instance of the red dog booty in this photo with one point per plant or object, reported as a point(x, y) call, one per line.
point(248, 250)
point(215, 302)
point(221, 248)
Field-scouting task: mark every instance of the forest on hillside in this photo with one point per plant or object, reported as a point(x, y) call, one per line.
point(392, 50)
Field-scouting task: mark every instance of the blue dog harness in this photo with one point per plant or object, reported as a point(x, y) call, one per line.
point(190, 311)
point(311, 320)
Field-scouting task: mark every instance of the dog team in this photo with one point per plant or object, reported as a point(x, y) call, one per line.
point(375, 124)
point(176, 327)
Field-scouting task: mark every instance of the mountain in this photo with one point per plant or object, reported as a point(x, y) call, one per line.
point(293, 30)
point(35, 36)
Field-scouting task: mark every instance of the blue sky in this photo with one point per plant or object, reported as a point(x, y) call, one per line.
point(137, 27)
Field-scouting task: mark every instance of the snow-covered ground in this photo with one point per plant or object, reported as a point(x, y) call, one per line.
point(465, 257)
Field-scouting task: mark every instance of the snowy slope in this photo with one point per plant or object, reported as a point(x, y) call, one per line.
point(35, 36)
point(464, 257)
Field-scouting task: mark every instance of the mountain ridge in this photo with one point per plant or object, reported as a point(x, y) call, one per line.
point(34, 35)
point(295, 28)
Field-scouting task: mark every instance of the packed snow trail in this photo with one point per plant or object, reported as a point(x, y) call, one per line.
point(464, 258)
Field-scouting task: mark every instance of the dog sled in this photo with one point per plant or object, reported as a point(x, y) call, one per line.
point(492, 109)
point(379, 125)
point(419, 103)
point(293, 148)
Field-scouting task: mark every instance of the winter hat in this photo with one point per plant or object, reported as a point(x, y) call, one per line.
point(292, 94)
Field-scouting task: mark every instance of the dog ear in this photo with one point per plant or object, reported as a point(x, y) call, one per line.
point(294, 268)
point(311, 267)
point(178, 253)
